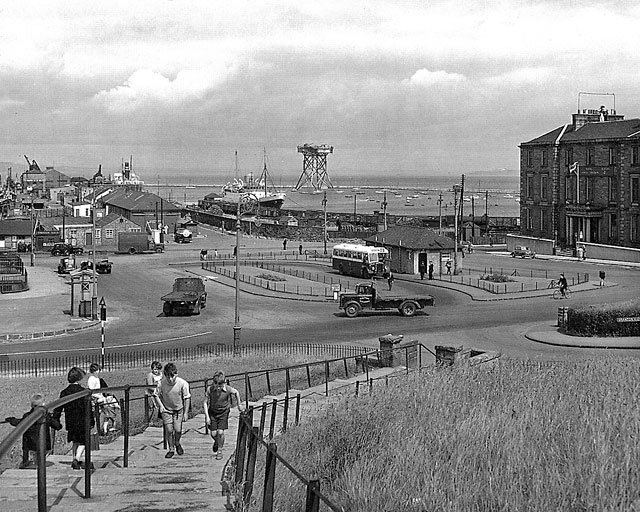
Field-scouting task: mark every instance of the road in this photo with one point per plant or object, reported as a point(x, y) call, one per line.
point(132, 293)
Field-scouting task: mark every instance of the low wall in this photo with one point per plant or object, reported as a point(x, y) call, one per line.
point(538, 245)
point(611, 252)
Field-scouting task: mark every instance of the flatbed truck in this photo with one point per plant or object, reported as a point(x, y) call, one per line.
point(366, 297)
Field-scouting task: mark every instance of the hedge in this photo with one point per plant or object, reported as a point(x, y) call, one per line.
point(605, 320)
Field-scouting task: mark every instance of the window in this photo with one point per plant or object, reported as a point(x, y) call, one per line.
point(108, 233)
point(98, 234)
point(634, 156)
point(543, 221)
point(612, 192)
point(529, 158)
point(589, 186)
point(529, 219)
point(529, 186)
point(544, 181)
point(544, 161)
point(635, 218)
point(568, 157)
point(612, 156)
point(635, 188)
point(591, 156)
point(613, 226)
point(568, 188)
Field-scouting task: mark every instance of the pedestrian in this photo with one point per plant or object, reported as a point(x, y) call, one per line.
point(153, 380)
point(584, 253)
point(235, 250)
point(300, 248)
point(218, 400)
point(431, 270)
point(74, 416)
point(173, 399)
point(448, 265)
point(421, 270)
point(602, 274)
point(284, 244)
point(470, 247)
point(94, 381)
point(32, 434)
point(390, 280)
point(579, 252)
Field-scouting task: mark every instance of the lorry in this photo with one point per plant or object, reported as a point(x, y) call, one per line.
point(137, 242)
point(188, 296)
point(102, 266)
point(366, 297)
point(183, 236)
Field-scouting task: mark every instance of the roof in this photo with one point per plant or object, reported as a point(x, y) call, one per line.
point(411, 237)
point(15, 227)
point(629, 128)
point(109, 219)
point(138, 201)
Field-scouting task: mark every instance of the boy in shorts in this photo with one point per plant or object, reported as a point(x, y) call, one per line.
point(218, 401)
point(174, 400)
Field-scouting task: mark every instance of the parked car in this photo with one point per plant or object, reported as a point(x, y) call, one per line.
point(66, 265)
point(102, 266)
point(522, 252)
point(62, 249)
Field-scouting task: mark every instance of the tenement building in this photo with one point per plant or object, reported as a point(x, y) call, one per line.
point(581, 181)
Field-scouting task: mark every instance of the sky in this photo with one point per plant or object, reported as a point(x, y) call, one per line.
point(396, 87)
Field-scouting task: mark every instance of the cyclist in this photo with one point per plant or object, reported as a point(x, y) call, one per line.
point(562, 283)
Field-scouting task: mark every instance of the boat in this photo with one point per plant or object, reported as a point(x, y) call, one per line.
point(262, 188)
point(126, 176)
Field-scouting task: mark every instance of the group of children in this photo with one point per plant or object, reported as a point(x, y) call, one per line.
point(169, 398)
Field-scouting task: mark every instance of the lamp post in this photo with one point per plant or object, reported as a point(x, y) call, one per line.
point(94, 296)
point(33, 231)
point(456, 188)
point(246, 203)
point(324, 208)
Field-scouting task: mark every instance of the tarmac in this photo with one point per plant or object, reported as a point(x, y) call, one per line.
point(29, 315)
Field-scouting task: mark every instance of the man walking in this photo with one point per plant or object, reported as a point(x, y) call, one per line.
point(431, 270)
point(174, 400)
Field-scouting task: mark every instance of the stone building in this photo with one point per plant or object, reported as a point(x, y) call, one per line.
point(581, 181)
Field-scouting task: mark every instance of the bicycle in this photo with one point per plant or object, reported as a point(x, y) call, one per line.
point(557, 294)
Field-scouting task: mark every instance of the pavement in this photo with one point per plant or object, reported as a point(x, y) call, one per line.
point(42, 311)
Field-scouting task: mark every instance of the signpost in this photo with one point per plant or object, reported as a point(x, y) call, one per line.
point(103, 319)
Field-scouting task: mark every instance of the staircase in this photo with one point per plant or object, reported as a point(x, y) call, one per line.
point(151, 482)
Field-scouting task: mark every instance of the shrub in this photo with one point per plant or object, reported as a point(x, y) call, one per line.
point(603, 319)
point(270, 277)
point(497, 278)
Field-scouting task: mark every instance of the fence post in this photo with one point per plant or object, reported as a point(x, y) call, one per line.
point(272, 424)
point(298, 409)
point(41, 460)
point(251, 464)
point(326, 378)
point(87, 446)
point(241, 445)
point(269, 477)
point(263, 417)
point(125, 426)
point(285, 414)
point(313, 500)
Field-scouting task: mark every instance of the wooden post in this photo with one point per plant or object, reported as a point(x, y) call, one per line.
point(272, 425)
point(269, 477)
point(251, 464)
point(313, 500)
point(326, 378)
point(263, 417)
point(298, 409)
point(269, 383)
point(308, 376)
point(240, 447)
point(285, 414)
point(125, 425)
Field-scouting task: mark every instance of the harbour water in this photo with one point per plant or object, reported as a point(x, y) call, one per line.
point(410, 196)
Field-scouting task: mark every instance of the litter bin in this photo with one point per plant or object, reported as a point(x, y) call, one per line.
point(387, 345)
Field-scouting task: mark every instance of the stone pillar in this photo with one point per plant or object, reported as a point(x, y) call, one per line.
point(451, 356)
point(387, 353)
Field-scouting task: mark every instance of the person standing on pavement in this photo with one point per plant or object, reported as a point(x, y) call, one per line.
point(74, 416)
point(174, 400)
point(421, 269)
point(448, 265)
point(390, 280)
point(602, 275)
point(218, 400)
point(284, 244)
point(300, 248)
point(431, 270)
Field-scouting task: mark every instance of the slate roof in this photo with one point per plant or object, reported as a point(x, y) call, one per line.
point(629, 128)
point(411, 237)
point(15, 227)
point(138, 201)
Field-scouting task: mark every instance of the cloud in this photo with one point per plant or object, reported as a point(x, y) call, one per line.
point(146, 88)
point(425, 78)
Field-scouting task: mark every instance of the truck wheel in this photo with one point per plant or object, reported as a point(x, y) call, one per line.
point(167, 309)
point(132, 250)
point(158, 249)
point(352, 309)
point(408, 309)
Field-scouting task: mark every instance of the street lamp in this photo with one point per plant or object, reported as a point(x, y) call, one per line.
point(246, 203)
point(33, 232)
point(456, 188)
point(324, 208)
point(94, 297)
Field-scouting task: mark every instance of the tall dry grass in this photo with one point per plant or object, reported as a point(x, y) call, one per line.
point(512, 436)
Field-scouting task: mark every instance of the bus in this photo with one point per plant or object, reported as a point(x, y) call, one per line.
point(360, 260)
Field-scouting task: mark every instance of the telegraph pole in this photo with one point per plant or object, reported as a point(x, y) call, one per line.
point(384, 210)
point(94, 277)
point(440, 214)
point(456, 188)
point(324, 208)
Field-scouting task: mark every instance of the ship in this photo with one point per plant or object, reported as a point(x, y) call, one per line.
point(127, 176)
point(261, 188)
